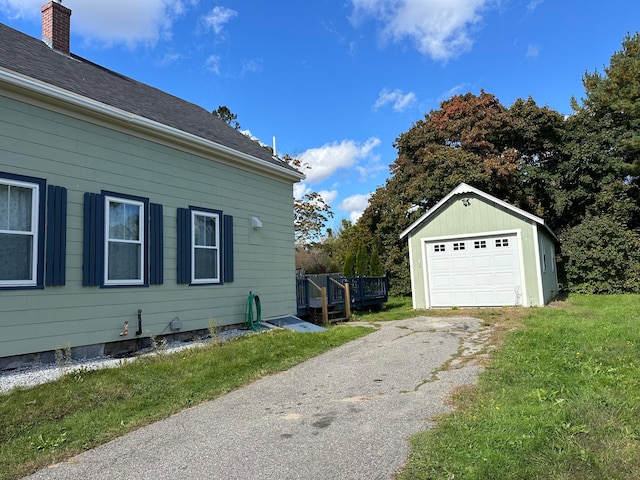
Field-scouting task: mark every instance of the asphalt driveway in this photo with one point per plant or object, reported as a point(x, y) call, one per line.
point(346, 414)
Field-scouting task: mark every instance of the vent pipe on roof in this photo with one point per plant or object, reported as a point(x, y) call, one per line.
point(56, 26)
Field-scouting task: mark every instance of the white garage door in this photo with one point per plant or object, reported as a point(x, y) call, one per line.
point(480, 272)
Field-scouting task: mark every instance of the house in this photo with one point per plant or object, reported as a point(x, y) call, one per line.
point(125, 212)
point(474, 250)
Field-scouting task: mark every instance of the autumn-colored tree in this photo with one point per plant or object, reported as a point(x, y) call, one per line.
point(472, 139)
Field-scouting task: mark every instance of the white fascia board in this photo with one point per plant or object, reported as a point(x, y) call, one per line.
point(71, 101)
point(464, 188)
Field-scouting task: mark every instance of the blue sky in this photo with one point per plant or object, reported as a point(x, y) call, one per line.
point(337, 81)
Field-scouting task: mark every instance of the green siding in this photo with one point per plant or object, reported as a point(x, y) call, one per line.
point(548, 269)
point(481, 216)
point(85, 157)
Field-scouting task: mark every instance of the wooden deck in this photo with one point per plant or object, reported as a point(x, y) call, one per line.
point(365, 292)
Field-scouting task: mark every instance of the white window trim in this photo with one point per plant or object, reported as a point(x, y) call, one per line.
point(35, 203)
point(217, 278)
point(141, 241)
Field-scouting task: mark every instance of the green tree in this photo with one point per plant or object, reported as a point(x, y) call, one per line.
point(361, 260)
point(227, 116)
point(349, 261)
point(311, 214)
point(604, 141)
point(375, 266)
point(615, 95)
point(337, 244)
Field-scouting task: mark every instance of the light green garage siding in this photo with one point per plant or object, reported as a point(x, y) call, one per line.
point(482, 217)
point(84, 157)
point(548, 268)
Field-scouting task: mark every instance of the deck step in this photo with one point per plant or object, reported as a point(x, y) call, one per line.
point(338, 320)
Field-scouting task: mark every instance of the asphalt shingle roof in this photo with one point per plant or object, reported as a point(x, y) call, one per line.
point(28, 56)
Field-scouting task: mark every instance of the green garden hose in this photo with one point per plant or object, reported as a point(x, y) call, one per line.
point(252, 322)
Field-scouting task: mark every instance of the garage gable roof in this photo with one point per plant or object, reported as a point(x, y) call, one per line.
point(463, 188)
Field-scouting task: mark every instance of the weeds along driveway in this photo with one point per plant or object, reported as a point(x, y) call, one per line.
point(346, 414)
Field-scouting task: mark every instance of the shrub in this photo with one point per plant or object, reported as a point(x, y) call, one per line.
point(601, 255)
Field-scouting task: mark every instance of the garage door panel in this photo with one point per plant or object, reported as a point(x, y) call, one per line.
point(481, 261)
point(441, 264)
point(504, 280)
point(462, 281)
point(504, 260)
point(486, 276)
point(461, 263)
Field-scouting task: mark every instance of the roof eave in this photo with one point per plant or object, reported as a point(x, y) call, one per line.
point(71, 101)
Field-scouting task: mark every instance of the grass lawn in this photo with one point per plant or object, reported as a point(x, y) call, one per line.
point(45, 424)
point(560, 399)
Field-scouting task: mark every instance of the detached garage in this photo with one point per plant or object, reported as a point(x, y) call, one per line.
point(474, 250)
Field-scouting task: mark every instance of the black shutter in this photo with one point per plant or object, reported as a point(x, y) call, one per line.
point(227, 249)
point(56, 236)
point(156, 245)
point(93, 241)
point(184, 245)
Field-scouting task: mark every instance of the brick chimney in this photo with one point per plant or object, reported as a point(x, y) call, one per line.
point(56, 26)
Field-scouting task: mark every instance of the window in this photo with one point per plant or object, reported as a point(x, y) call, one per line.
point(205, 246)
point(458, 246)
point(480, 244)
point(21, 231)
point(439, 247)
point(124, 241)
point(502, 242)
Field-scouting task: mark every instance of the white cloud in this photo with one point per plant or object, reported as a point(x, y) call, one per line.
point(27, 9)
point(533, 4)
point(111, 22)
point(329, 196)
point(300, 189)
point(217, 18)
point(169, 58)
point(247, 133)
point(455, 90)
point(253, 65)
point(329, 158)
point(439, 28)
point(400, 101)
point(533, 51)
point(355, 205)
point(213, 64)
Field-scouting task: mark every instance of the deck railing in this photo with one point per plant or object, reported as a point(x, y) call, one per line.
point(363, 291)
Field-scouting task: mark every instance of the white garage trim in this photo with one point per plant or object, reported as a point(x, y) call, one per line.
point(411, 275)
point(424, 242)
